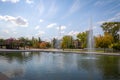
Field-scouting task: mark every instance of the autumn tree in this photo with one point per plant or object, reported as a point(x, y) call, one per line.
point(104, 41)
point(82, 37)
point(43, 45)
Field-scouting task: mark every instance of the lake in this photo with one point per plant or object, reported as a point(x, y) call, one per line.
point(58, 66)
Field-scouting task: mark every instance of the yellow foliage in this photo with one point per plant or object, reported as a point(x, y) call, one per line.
point(104, 41)
point(43, 45)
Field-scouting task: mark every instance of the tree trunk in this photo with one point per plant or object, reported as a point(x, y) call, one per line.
point(104, 50)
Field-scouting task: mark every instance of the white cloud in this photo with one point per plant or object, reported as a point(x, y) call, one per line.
point(115, 18)
point(6, 31)
point(58, 28)
point(18, 21)
point(37, 27)
point(29, 1)
point(51, 25)
point(41, 20)
point(100, 22)
point(40, 33)
point(61, 27)
point(62, 31)
point(12, 1)
point(54, 25)
point(48, 40)
point(95, 27)
point(14, 32)
point(72, 33)
point(15, 1)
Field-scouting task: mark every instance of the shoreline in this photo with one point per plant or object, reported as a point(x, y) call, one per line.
point(57, 50)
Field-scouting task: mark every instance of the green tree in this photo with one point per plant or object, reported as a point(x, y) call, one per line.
point(54, 42)
point(35, 43)
point(24, 42)
point(67, 42)
point(48, 45)
point(113, 29)
point(115, 46)
point(39, 39)
point(1, 42)
point(82, 37)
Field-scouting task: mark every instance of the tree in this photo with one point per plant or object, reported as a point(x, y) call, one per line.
point(39, 39)
point(67, 42)
point(48, 45)
point(104, 41)
point(43, 45)
point(83, 39)
point(35, 42)
point(116, 46)
point(24, 42)
point(1, 42)
point(113, 29)
point(54, 42)
point(63, 46)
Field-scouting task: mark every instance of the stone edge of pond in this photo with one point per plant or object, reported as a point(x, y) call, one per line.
point(59, 51)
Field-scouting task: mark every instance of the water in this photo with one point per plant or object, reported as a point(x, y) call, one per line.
point(90, 43)
point(90, 46)
point(58, 66)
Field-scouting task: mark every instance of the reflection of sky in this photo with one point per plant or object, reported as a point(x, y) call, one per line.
point(12, 69)
point(56, 65)
point(55, 61)
point(65, 63)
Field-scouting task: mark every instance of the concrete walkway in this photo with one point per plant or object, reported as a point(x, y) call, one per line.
point(3, 77)
point(57, 50)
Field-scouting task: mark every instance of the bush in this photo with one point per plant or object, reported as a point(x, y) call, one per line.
point(116, 46)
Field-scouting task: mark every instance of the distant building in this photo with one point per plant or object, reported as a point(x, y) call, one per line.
point(77, 44)
point(10, 43)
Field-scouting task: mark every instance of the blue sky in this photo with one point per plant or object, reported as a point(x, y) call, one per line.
point(42, 18)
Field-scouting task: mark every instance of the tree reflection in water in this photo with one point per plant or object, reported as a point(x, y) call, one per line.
point(109, 65)
point(21, 57)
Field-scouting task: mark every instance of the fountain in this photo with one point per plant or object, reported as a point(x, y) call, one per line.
point(90, 42)
point(90, 39)
point(91, 56)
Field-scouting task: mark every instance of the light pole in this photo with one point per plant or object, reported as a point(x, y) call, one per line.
point(59, 39)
